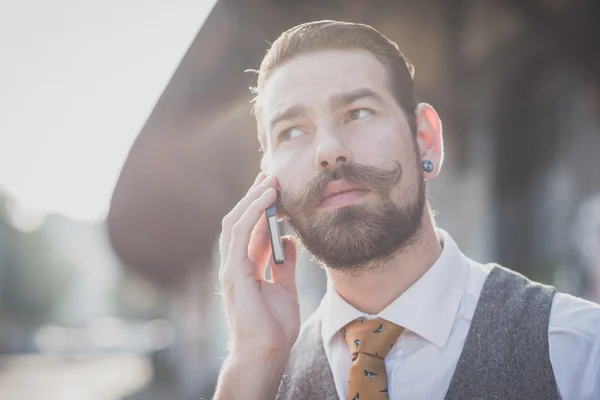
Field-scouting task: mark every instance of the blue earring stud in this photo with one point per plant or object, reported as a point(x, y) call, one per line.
point(427, 166)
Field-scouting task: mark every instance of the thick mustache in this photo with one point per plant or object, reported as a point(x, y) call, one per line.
point(377, 179)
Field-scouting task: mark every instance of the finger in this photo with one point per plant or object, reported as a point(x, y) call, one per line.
point(253, 194)
point(241, 231)
point(259, 178)
point(234, 215)
point(285, 274)
point(259, 249)
point(226, 232)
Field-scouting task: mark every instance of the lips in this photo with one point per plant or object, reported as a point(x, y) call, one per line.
point(340, 193)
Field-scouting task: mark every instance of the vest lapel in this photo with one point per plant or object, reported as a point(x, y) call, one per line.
point(308, 374)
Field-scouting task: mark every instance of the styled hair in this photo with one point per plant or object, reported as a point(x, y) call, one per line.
point(336, 35)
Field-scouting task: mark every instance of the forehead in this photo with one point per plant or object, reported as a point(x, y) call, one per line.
point(310, 79)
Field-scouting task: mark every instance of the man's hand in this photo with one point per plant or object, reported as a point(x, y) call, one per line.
point(263, 315)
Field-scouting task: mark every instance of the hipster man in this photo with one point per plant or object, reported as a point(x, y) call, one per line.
point(406, 315)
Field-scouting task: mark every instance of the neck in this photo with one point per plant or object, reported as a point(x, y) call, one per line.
point(373, 289)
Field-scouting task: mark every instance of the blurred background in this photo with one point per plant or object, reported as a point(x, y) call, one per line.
point(125, 137)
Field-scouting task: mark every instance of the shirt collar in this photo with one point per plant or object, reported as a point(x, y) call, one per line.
point(428, 308)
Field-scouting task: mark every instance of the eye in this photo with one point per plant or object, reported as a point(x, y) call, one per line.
point(290, 134)
point(359, 113)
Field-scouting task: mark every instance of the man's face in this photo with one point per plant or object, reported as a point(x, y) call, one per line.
point(344, 155)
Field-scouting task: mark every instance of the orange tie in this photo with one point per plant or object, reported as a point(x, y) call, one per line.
point(369, 341)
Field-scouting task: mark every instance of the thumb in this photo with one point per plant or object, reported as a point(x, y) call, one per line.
point(285, 274)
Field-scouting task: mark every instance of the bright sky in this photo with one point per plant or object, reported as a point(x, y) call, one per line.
point(78, 80)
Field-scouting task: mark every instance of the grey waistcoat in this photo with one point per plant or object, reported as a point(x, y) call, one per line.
point(505, 355)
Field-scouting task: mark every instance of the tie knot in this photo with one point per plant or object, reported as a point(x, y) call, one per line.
point(371, 336)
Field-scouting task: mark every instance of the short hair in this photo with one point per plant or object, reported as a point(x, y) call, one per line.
point(332, 35)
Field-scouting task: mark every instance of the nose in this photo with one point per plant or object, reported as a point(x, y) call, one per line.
point(331, 152)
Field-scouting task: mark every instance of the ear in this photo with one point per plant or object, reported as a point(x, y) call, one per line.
point(430, 139)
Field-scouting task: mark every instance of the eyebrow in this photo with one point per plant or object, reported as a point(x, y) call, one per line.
point(341, 100)
point(336, 101)
point(294, 111)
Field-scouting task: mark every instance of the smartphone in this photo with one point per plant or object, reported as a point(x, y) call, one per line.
point(274, 235)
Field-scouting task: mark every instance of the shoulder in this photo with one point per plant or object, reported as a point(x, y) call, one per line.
point(575, 316)
point(567, 314)
point(502, 286)
point(574, 344)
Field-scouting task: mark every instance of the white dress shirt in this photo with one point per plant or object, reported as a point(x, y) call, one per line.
point(436, 313)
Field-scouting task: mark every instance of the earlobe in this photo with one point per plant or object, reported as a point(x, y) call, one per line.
point(427, 166)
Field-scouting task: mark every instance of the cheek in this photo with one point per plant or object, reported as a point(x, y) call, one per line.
point(289, 173)
point(379, 144)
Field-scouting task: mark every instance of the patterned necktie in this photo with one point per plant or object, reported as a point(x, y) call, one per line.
point(369, 341)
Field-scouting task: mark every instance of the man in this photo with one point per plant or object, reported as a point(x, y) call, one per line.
point(406, 315)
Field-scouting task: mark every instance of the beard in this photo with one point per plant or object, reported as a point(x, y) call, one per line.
point(352, 237)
